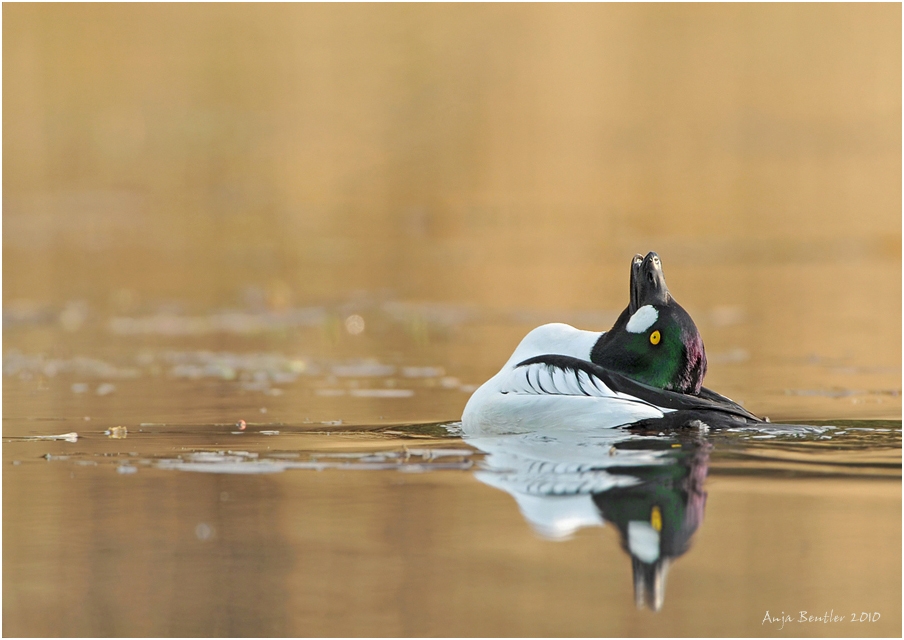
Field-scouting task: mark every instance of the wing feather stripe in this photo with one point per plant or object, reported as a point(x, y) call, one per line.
point(539, 384)
point(628, 389)
point(577, 379)
point(529, 381)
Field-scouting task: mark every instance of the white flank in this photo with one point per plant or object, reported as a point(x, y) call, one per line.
point(523, 399)
point(642, 319)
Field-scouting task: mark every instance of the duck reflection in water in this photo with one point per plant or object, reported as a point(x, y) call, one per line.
point(649, 487)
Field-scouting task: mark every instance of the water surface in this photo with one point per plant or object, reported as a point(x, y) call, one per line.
point(120, 519)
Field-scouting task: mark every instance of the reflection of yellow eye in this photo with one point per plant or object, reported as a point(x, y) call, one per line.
point(654, 337)
point(656, 518)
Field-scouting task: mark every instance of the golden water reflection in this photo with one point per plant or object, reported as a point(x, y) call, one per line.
point(169, 550)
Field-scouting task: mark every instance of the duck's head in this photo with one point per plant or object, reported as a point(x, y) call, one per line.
point(654, 340)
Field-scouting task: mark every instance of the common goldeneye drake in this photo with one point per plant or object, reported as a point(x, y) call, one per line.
point(646, 371)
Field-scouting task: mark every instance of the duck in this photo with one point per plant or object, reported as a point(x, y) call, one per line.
point(646, 371)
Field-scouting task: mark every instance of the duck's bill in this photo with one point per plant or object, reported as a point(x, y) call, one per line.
point(647, 282)
point(634, 303)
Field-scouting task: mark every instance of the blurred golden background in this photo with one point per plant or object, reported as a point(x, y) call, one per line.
point(499, 156)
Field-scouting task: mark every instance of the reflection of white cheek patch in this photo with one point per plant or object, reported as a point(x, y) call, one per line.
point(642, 319)
point(643, 541)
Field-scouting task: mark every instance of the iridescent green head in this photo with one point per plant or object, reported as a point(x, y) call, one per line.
point(654, 340)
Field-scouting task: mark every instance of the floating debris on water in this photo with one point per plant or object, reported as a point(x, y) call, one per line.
point(363, 369)
point(243, 462)
point(245, 454)
point(356, 455)
point(423, 372)
point(431, 454)
point(67, 437)
point(269, 433)
point(451, 428)
point(116, 432)
point(382, 393)
point(19, 364)
point(126, 469)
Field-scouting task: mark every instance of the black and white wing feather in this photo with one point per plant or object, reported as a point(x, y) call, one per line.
point(541, 377)
point(569, 376)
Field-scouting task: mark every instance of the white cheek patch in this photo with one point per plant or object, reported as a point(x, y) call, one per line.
point(642, 319)
point(643, 541)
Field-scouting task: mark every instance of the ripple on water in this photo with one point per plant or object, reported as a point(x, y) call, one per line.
point(860, 448)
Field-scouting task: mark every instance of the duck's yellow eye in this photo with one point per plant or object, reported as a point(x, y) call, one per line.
point(654, 337)
point(656, 518)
